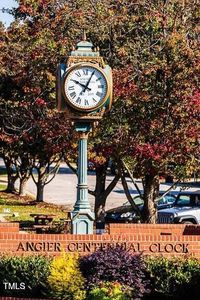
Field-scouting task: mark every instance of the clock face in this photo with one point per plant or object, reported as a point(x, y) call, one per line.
point(85, 87)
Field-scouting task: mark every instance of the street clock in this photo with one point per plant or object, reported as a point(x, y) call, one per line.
point(84, 94)
point(84, 84)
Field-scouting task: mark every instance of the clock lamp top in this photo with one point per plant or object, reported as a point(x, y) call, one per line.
point(84, 48)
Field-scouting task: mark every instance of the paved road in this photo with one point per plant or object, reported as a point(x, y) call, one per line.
point(62, 189)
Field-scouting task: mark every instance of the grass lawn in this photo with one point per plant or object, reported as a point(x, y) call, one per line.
point(2, 187)
point(16, 208)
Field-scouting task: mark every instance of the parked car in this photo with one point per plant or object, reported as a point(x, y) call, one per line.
point(186, 209)
point(111, 169)
point(127, 214)
point(91, 166)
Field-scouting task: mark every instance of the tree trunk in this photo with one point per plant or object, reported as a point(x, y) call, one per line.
point(22, 186)
point(151, 189)
point(11, 183)
point(100, 199)
point(11, 175)
point(102, 191)
point(40, 191)
point(24, 170)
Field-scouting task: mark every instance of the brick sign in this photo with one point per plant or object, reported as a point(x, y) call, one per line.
point(167, 240)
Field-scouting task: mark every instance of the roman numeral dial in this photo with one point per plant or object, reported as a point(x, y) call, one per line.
point(85, 87)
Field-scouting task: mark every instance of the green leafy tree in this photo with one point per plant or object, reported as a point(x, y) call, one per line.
point(33, 140)
point(155, 120)
point(152, 46)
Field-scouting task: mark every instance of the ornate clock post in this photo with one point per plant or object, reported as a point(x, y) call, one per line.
point(84, 93)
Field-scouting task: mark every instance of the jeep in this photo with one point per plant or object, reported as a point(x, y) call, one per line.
point(186, 210)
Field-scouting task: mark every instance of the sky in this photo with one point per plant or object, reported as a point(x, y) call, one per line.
point(4, 17)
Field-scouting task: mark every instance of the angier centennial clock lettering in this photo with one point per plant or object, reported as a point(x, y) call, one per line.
point(85, 87)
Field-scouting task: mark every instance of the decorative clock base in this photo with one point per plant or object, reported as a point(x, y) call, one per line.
point(82, 222)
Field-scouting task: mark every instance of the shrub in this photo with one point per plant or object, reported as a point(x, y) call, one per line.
point(110, 291)
point(31, 270)
point(175, 277)
point(65, 280)
point(115, 264)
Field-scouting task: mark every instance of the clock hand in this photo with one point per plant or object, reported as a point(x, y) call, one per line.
point(81, 84)
point(86, 86)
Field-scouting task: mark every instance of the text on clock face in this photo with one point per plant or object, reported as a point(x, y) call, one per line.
point(85, 87)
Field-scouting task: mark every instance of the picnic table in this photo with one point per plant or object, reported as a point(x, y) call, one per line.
point(42, 222)
point(67, 222)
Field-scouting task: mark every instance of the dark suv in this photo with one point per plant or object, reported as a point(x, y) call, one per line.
point(186, 210)
point(127, 214)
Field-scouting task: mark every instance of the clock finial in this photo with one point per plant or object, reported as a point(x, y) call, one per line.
point(84, 35)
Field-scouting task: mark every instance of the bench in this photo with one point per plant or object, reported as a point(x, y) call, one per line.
point(42, 222)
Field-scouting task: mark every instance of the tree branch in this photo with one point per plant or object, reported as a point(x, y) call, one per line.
point(33, 176)
point(74, 170)
point(92, 192)
point(128, 195)
point(111, 186)
point(56, 169)
point(131, 177)
point(167, 191)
